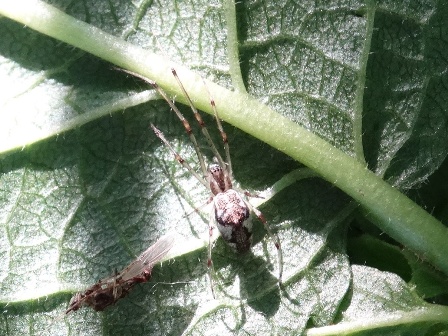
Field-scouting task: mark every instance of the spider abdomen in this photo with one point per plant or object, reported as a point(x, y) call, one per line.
point(233, 220)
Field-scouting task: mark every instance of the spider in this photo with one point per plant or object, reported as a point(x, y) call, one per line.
point(231, 210)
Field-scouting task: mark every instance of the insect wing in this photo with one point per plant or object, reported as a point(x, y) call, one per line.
point(148, 258)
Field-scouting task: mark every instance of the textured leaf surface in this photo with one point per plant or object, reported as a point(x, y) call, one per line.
point(367, 77)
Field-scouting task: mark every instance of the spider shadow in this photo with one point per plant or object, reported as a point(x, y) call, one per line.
point(258, 287)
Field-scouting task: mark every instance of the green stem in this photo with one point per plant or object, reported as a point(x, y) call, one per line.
point(359, 102)
point(232, 46)
point(390, 210)
point(434, 314)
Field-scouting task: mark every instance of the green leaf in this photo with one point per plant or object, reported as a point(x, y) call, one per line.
point(382, 304)
point(367, 78)
point(427, 281)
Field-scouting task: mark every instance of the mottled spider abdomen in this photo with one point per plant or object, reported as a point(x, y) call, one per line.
point(233, 220)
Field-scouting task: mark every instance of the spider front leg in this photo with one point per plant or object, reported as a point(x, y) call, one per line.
point(179, 159)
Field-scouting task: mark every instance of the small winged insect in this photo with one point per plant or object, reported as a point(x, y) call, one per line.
point(231, 210)
point(108, 291)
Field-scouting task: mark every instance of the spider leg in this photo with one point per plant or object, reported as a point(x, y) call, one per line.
point(197, 209)
point(248, 194)
point(179, 115)
point(211, 273)
point(203, 127)
point(273, 237)
point(185, 124)
point(223, 136)
point(178, 157)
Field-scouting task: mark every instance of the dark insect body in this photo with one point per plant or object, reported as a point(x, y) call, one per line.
point(108, 291)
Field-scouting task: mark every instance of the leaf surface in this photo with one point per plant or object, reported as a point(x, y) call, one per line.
point(366, 77)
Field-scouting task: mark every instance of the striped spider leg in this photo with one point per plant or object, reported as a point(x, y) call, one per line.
point(108, 291)
point(231, 211)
